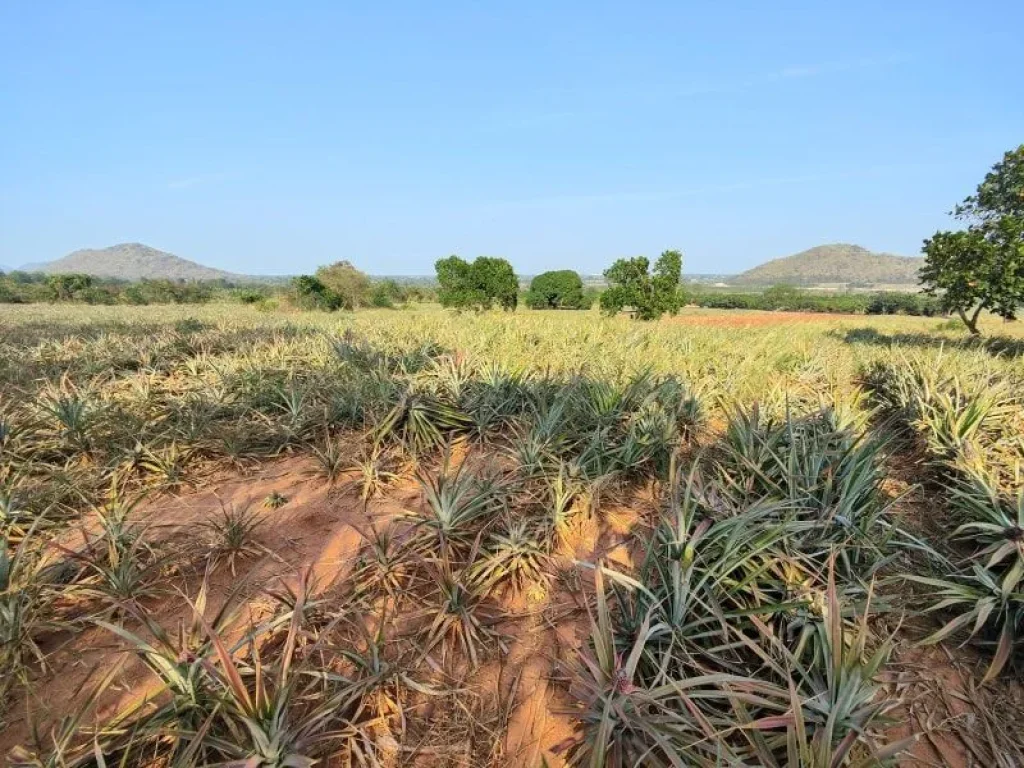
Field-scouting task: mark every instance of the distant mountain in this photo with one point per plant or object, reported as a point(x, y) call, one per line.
point(135, 261)
point(131, 261)
point(835, 263)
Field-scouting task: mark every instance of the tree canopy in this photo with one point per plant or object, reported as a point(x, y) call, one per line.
point(311, 293)
point(65, 286)
point(351, 286)
point(632, 284)
point(982, 267)
point(558, 289)
point(477, 285)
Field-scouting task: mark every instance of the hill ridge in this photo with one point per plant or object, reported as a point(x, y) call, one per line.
point(834, 263)
point(133, 261)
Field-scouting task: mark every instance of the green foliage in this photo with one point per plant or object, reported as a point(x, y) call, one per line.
point(790, 298)
point(311, 293)
point(251, 296)
point(736, 634)
point(163, 291)
point(351, 286)
point(65, 287)
point(24, 606)
point(386, 293)
point(982, 267)
point(968, 422)
point(31, 288)
point(477, 285)
point(1001, 193)
point(561, 289)
point(650, 295)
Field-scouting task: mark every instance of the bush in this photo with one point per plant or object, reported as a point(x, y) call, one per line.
point(66, 287)
point(250, 296)
point(311, 293)
point(386, 293)
point(348, 284)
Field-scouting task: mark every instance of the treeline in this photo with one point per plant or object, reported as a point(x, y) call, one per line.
point(305, 292)
point(632, 285)
point(342, 286)
point(34, 287)
point(781, 298)
point(646, 291)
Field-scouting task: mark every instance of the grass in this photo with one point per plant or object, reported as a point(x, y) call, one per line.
point(752, 467)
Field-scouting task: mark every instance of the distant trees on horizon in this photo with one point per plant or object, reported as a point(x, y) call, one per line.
point(647, 291)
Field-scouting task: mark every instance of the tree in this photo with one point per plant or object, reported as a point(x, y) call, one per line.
point(782, 296)
point(64, 287)
point(386, 293)
point(982, 267)
point(311, 293)
point(560, 289)
point(351, 286)
point(476, 285)
point(631, 284)
point(455, 284)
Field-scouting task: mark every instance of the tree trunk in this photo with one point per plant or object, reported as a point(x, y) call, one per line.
point(972, 321)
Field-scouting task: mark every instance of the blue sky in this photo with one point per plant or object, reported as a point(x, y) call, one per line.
point(272, 137)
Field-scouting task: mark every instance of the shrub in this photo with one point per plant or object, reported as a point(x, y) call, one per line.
point(386, 293)
point(65, 287)
point(311, 293)
point(350, 286)
point(782, 297)
point(250, 296)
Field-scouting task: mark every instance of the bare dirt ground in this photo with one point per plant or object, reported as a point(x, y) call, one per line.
point(960, 722)
point(321, 529)
point(512, 710)
point(754, 318)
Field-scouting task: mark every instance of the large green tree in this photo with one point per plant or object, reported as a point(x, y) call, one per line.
point(559, 289)
point(352, 287)
point(631, 283)
point(982, 267)
point(478, 285)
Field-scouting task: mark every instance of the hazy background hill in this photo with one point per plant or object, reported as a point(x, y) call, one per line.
point(131, 261)
point(835, 263)
point(135, 261)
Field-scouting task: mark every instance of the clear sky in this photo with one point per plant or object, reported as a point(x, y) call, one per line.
point(272, 137)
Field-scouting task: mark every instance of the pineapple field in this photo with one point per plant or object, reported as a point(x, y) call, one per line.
point(549, 538)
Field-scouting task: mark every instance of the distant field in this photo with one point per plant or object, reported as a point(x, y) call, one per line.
point(458, 537)
point(701, 345)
